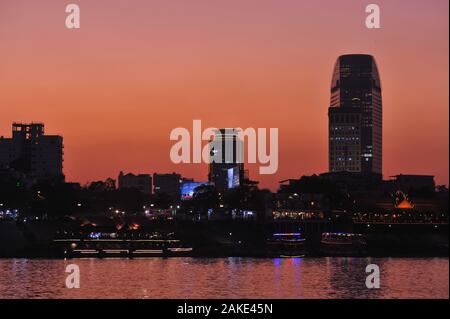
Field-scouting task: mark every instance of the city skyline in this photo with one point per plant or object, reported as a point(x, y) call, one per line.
point(227, 157)
point(112, 123)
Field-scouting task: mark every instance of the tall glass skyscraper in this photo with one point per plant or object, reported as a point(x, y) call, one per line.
point(355, 116)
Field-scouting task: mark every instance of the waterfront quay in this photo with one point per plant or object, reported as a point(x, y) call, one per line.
point(140, 236)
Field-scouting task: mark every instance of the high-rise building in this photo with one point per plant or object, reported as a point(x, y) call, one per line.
point(141, 182)
point(226, 169)
point(33, 153)
point(355, 116)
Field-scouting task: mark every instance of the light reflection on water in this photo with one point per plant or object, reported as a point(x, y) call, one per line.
point(226, 278)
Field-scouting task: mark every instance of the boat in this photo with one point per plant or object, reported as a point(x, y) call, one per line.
point(343, 244)
point(286, 245)
point(109, 245)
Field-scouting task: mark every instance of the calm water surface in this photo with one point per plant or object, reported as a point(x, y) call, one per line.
point(226, 278)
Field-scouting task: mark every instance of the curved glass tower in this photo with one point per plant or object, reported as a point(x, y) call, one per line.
point(355, 116)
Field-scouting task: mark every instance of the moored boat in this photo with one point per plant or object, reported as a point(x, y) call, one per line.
point(286, 245)
point(107, 245)
point(343, 244)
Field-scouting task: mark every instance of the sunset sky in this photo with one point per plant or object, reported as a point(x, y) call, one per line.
point(135, 70)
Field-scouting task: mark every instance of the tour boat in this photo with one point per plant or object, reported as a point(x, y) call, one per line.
point(343, 244)
point(106, 246)
point(286, 245)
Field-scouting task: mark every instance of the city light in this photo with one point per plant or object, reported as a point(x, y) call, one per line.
point(224, 150)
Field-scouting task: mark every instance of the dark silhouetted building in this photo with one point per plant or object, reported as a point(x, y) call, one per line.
point(30, 151)
point(226, 169)
point(355, 116)
point(414, 182)
point(142, 182)
point(168, 184)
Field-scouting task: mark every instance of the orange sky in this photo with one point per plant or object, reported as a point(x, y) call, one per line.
point(137, 69)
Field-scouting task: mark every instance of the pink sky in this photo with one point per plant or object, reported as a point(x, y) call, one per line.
point(135, 70)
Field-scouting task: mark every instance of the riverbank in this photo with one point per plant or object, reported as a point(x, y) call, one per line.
point(36, 239)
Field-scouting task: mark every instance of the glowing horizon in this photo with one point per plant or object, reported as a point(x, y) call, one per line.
point(115, 88)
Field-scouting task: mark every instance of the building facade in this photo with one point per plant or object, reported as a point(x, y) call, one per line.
point(355, 116)
point(142, 182)
point(168, 184)
point(30, 151)
point(409, 182)
point(226, 168)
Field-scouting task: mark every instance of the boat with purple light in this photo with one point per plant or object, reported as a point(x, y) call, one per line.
point(286, 245)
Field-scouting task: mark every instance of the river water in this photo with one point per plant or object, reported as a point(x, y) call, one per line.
point(225, 278)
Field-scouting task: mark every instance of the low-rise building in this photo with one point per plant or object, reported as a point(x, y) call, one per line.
point(142, 182)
